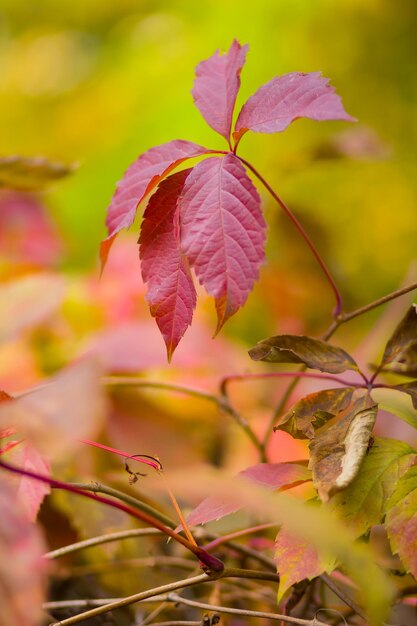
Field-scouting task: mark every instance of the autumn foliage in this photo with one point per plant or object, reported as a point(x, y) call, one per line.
point(345, 539)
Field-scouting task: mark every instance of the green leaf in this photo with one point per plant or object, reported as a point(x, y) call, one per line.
point(396, 403)
point(401, 520)
point(313, 411)
point(400, 354)
point(27, 173)
point(363, 503)
point(338, 451)
point(313, 353)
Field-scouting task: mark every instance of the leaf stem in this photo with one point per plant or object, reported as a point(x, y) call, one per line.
point(207, 559)
point(338, 296)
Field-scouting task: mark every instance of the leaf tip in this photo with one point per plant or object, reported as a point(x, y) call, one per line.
point(105, 247)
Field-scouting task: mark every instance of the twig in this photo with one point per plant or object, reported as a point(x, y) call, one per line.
point(124, 497)
point(207, 559)
point(222, 401)
point(342, 595)
point(179, 584)
point(96, 541)
point(221, 609)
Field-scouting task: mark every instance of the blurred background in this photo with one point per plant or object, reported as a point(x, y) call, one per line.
point(92, 84)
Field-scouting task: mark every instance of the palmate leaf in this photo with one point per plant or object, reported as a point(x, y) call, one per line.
point(222, 231)
point(401, 520)
point(171, 293)
point(313, 411)
point(363, 503)
point(314, 353)
point(336, 453)
point(216, 86)
point(286, 98)
point(400, 354)
point(140, 179)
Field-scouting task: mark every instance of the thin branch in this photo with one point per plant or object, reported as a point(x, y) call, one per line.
point(99, 540)
point(222, 402)
point(296, 374)
point(179, 584)
point(346, 317)
point(328, 580)
point(221, 609)
point(124, 497)
point(338, 296)
point(207, 559)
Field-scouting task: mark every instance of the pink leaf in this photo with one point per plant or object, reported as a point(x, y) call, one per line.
point(22, 569)
point(286, 98)
point(216, 86)
point(296, 560)
point(272, 475)
point(165, 269)
point(222, 231)
point(30, 493)
point(139, 179)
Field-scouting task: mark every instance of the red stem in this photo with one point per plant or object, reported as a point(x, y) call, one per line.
point(339, 302)
point(335, 379)
point(208, 560)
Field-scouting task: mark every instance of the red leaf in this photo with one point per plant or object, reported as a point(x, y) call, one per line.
point(272, 475)
point(222, 231)
point(286, 98)
point(216, 86)
point(139, 179)
point(22, 569)
point(165, 269)
point(30, 493)
point(296, 560)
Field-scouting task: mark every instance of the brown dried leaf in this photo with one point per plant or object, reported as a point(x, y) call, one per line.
point(313, 411)
point(338, 451)
point(30, 173)
point(400, 354)
point(314, 353)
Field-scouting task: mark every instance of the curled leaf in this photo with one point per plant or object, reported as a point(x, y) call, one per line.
point(400, 354)
point(314, 353)
point(363, 503)
point(313, 411)
point(339, 449)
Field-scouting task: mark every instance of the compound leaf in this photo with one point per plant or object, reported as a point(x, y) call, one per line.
point(165, 269)
point(314, 353)
point(216, 86)
point(286, 98)
point(222, 231)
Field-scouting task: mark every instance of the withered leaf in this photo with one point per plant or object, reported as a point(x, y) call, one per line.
point(314, 353)
point(400, 354)
point(313, 411)
point(30, 173)
point(410, 389)
point(338, 451)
